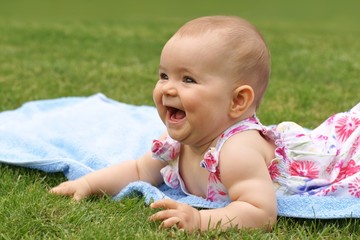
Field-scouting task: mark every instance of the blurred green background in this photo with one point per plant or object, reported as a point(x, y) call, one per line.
point(308, 14)
point(51, 49)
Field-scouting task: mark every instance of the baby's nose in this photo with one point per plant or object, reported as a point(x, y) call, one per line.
point(169, 88)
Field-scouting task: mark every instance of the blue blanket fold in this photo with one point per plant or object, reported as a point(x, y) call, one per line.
point(78, 135)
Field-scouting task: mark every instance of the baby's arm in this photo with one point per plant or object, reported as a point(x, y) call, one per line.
point(112, 179)
point(253, 203)
point(245, 174)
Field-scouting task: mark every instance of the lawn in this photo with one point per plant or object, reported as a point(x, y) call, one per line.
point(51, 50)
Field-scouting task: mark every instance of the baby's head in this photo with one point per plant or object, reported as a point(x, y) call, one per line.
point(238, 44)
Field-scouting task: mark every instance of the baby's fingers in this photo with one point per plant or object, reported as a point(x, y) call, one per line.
point(168, 218)
point(165, 203)
point(77, 189)
point(64, 189)
point(162, 215)
point(170, 222)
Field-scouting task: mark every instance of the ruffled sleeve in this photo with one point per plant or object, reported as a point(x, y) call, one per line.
point(216, 191)
point(210, 161)
point(168, 151)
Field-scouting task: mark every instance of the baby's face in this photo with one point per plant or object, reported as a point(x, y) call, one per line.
point(201, 54)
point(195, 89)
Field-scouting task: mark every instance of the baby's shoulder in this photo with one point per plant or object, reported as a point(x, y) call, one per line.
point(242, 157)
point(243, 140)
point(247, 138)
point(244, 146)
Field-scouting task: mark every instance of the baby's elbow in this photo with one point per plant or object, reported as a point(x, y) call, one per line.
point(270, 218)
point(269, 212)
point(262, 217)
point(265, 217)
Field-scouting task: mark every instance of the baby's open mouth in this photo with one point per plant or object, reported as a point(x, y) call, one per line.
point(175, 113)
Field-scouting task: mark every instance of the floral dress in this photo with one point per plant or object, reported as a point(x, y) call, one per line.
point(324, 161)
point(168, 151)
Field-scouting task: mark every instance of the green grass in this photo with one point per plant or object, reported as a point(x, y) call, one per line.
point(78, 49)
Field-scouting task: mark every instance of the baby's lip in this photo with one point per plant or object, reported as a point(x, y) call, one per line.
point(172, 108)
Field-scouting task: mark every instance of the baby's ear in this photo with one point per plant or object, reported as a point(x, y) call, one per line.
point(243, 98)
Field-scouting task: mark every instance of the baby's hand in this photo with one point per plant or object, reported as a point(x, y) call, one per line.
point(77, 189)
point(175, 213)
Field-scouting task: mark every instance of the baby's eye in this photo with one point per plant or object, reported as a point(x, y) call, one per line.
point(163, 76)
point(189, 80)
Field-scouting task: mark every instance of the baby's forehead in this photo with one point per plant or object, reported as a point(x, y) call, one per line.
point(209, 44)
point(213, 23)
point(208, 33)
point(224, 36)
point(210, 36)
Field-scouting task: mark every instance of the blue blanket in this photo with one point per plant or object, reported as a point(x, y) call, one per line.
point(78, 135)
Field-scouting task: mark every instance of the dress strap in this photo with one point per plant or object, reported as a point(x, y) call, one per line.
point(251, 123)
point(211, 158)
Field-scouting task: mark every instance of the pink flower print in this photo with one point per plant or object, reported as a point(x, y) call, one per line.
point(345, 127)
point(236, 130)
point(331, 167)
point(157, 147)
point(215, 194)
point(170, 176)
point(221, 194)
point(172, 179)
point(209, 162)
point(304, 169)
point(214, 177)
point(174, 152)
point(281, 152)
point(274, 170)
point(350, 169)
point(211, 195)
point(322, 137)
point(330, 120)
point(337, 151)
point(354, 188)
point(330, 189)
point(164, 150)
point(354, 148)
point(253, 119)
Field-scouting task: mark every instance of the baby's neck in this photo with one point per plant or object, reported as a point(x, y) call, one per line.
point(199, 150)
point(249, 113)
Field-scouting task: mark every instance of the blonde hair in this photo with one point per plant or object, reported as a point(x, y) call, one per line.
point(241, 43)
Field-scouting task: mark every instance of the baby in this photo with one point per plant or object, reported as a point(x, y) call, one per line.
point(212, 76)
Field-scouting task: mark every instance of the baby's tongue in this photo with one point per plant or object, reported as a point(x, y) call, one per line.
point(179, 114)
